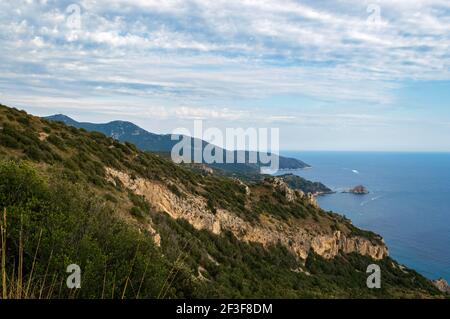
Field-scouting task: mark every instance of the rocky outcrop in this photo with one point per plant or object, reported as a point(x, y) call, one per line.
point(269, 231)
point(358, 190)
point(312, 199)
point(442, 285)
point(43, 136)
point(247, 189)
point(280, 185)
point(330, 246)
point(156, 237)
point(202, 169)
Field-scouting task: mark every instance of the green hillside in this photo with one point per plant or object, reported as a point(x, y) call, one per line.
point(163, 143)
point(137, 225)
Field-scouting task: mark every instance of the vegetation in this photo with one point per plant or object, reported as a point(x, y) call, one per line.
point(50, 224)
point(231, 268)
point(59, 207)
point(297, 182)
point(129, 132)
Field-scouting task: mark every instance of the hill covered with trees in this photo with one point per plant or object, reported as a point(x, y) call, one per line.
point(140, 226)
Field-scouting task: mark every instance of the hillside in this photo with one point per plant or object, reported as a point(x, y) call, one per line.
point(146, 141)
point(142, 227)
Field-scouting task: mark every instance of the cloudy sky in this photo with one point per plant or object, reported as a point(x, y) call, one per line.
point(332, 75)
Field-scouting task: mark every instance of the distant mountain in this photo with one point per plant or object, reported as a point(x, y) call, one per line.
point(147, 141)
point(123, 131)
point(140, 226)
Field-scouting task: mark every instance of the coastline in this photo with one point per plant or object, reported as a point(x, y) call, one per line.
point(441, 283)
point(405, 201)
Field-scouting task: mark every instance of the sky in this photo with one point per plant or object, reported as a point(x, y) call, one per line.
point(331, 75)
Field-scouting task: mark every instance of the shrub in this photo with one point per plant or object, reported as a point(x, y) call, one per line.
point(174, 189)
point(136, 212)
point(9, 141)
point(211, 206)
point(55, 140)
point(139, 201)
point(64, 224)
point(19, 183)
point(110, 197)
point(24, 120)
point(33, 153)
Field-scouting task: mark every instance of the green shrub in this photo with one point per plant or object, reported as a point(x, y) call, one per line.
point(34, 153)
point(136, 212)
point(19, 184)
point(174, 189)
point(24, 120)
point(55, 140)
point(9, 141)
point(139, 202)
point(211, 206)
point(67, 225)
point(109, 197)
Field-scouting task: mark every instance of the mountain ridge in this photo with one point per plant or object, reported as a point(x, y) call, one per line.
point(129, 132)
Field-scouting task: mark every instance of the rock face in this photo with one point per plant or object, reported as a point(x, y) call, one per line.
point(296, 237)
point(442, 285)
point(245, 186)
point(280, 185)
point(358, 190)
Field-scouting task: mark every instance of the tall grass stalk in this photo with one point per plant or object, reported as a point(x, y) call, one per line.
point(3, 237)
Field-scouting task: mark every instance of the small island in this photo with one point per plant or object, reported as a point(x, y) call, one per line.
point(358, 190)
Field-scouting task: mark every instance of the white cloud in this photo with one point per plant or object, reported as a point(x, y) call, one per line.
point(201, 59)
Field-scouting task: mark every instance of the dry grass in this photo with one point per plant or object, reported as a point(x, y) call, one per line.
point(15, 285)
point(3, 238)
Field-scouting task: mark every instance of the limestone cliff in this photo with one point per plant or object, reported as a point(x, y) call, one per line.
point(280, 185)
point(297, 236)
point(442, 285)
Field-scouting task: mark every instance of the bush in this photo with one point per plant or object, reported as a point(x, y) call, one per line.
point(19, 184)
point(66, 224)
point(174, 189)
point(24, 120)
point(109, 197)
point(140, 203)
point(136, 212)
point(8, 141)
point(55, 140)
point(211, 206)
point(33, 153)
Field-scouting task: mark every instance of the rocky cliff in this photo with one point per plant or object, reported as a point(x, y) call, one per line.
point(442, 285)
point(211, 229)
point(294, 235)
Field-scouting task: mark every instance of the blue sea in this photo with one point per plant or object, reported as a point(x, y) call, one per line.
point(408, 203)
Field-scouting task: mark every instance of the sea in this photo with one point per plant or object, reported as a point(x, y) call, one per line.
point(408, 203)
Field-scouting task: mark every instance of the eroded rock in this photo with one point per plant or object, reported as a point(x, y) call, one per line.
point(269, 231)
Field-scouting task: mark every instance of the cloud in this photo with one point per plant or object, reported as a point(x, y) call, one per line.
point(203, 59)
